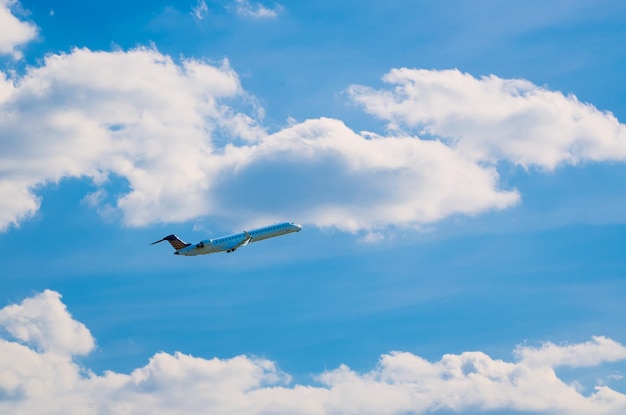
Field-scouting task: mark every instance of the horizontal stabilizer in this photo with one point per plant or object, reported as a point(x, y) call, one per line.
point(174, 241)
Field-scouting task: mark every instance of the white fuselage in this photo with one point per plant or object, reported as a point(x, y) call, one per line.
point(230, 243)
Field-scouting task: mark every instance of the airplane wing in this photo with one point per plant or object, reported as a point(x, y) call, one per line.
point(245, 242)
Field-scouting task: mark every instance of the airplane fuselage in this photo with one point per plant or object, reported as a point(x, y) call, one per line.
point(230, 243)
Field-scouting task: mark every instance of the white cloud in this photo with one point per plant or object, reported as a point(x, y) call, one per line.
point(491, 119)
point(45, 382)
point(135, 114)
point(95, 199)
point(332, 176)
point(19, 201)
point(44, 322)
point(592, 353)
point(165, 129)
point(373, 237)
point(257, 10)
point(200, 10)
point(15, 32)
point(177, 134)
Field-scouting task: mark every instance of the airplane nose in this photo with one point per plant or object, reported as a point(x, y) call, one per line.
point(298, 226)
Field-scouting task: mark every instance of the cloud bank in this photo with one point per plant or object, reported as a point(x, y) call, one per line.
point(169, 131)
point(39, 376)
point(189, 142)
point(175, 132)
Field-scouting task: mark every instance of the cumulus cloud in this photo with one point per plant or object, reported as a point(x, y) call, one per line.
point(491, 119)
point(167, 130)
point(15, 32)
point(335, 177)
point(189, 142)
point(136, 114)
point(41, 381)
point(592, 353)
point(44, 322)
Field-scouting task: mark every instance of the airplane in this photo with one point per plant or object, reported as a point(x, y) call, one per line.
point(229, 243)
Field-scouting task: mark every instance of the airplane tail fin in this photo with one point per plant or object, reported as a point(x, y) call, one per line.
point(174, 241)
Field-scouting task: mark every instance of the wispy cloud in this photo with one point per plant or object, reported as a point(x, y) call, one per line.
point(200, 10)
point(15, 32)
point(257, 10)
point(39, 376)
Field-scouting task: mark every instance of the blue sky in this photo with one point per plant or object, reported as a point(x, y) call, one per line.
point(457, 166)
